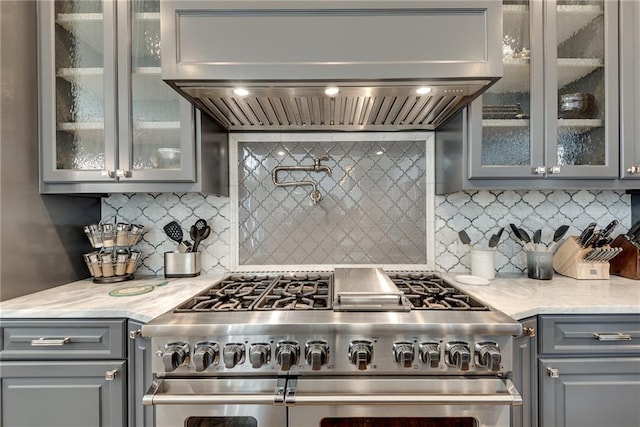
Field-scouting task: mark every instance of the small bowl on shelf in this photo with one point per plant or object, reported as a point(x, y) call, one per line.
point(577, 106)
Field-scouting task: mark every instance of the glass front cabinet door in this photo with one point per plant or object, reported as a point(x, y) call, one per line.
point(554, 114)
point(630, 88)
point(106, 115)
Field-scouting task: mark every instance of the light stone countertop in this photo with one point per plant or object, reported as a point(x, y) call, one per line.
point(85, 299)
point(521, 297)
point(516, 296)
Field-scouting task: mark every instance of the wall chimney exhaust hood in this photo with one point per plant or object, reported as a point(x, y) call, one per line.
point(333, 64)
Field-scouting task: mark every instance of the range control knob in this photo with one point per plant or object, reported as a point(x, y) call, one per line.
point(458, 355)
point(360, 353)
point(233, 354)
point(316, 354)
point(259, 354)
point(287, 354)
point(205, 354)
point(430, 354)
point(403, 353)
point(488, 355)
point(175, 354)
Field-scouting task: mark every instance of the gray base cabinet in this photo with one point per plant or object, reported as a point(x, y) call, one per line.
point(69, 372)
point(578, 371)
point(140, 376)
point(66, 393)
point(524, 375)
point(590, 392)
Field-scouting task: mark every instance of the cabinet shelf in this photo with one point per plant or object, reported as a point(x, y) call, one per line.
point(572, 69)
point(99, 126)
point(88, 27)
point(581, 123)
point(575, 17)
point(506, 123)
point(564, 123)
point(162, 134)
point(144, 79)
point(517, 73)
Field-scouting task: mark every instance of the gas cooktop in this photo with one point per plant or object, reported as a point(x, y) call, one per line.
point(415, 290)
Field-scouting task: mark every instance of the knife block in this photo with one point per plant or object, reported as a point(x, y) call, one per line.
point(627, 263)
point(569, 261)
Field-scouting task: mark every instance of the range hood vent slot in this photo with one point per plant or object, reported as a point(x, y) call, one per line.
point(308, 108)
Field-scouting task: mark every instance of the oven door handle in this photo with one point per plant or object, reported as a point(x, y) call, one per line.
point(511, 397)
point(156, 396)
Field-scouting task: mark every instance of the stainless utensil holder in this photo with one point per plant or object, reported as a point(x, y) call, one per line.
point(178, 264)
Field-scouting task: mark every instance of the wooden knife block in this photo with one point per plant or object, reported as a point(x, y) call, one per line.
point(569, 261)
point(627, 263)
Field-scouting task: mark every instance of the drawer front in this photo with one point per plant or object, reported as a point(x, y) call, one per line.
point(597, 334)
point(62, 339)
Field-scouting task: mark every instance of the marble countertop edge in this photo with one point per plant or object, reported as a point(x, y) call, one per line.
point(516, 296)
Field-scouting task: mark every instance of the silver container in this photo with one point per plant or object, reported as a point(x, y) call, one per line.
point(178, 264)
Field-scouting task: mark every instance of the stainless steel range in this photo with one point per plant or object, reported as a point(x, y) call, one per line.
point(353, 347)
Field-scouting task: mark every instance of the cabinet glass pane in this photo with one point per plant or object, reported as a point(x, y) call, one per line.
point(581, 82)
point(155, 107)
point(506, 105)
point(79, 41)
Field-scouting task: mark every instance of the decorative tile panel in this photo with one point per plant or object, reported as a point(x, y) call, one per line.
point(482, 213)
point(371, 211)
point(155, 210)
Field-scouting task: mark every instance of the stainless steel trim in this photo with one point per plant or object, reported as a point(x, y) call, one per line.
point(304, 105)
point(189, 392)
point(366, 289)
point(437, 391)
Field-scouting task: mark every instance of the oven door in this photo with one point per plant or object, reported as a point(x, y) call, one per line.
point(218, 402)
point(400, 402)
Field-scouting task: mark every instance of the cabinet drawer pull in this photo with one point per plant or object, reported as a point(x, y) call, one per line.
point(50, 342)
point(612, 337)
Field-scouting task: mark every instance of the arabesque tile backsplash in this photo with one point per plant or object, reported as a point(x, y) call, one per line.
point(480, 213)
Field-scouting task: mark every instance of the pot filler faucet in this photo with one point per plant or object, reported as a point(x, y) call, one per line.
point(317, 167)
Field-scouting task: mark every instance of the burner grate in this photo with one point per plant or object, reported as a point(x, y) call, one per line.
point(235, 293)
point(298, 292)
point(428, 291)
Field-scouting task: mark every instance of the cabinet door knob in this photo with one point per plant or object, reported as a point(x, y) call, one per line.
point(106, 174)
point(121, 173)
point(553, 372)
point(539, 170)
point(554, 169)
point(110, 375)
point(634, 169)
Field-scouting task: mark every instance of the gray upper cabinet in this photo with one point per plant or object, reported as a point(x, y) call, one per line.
point(630, 88)
point(554, 114)
point(108, 121)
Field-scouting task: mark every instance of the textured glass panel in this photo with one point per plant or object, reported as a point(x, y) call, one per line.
point(506, 105)
point(372, 208)
point(79, 42)
point(581, 83)
point(155, 106)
